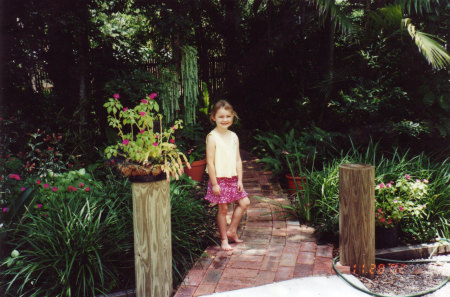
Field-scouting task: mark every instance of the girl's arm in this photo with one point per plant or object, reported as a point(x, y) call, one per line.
point(210, 158)
point(239, 168)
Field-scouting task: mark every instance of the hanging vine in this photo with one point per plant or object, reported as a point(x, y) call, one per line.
point(189, 77)
point(169, 93)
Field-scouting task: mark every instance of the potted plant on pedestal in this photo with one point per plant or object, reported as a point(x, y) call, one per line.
point(145, 148)
point(393, 202)
point(147, 154)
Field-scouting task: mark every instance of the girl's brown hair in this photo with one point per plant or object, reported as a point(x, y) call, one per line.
point(222, 104)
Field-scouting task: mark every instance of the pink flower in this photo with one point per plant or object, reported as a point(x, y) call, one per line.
point(87, 189)
point(22, 189)
point(14, 176)
point(116, 96)
point(285, 152)
point(152, 96)
point(144, 101)
point(155, 144)
point(173, 128)
point(80, 185)
point(407, 176)
point(400, 208)
point(381, 186)
point(172, 141)
point(141, 132)
point(5, 209)
point(125, 141)
point(38, 182)
point(39, 205)
point(157, 135)
point(55, 189)
point(142, 113)
point(380, 210)
point(46, 186)
point(388, 185)
point(125, 109)
point(425, 181)
point(71, 188)
point(382, 220)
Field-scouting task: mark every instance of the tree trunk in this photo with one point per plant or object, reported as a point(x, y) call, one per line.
point(201, 45)
point(152, 238)
point(232, 45)
point(83, 65)
point(357, 218)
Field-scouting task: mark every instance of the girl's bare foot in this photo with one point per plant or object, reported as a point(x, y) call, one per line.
point(233, 236)
point(225, 246)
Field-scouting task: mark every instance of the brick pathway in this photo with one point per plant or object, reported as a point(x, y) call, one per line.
point(274, 249)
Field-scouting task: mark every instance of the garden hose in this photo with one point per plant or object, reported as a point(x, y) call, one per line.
point(396, 261)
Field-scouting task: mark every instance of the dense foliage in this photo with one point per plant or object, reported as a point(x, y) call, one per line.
point(75, 237)
point(305, 77)
point(367, 69)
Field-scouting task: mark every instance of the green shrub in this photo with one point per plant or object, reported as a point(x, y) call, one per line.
point(312, 147)
point(71, 240)
point(192, 225)
point(324, 187)
point(76, 236)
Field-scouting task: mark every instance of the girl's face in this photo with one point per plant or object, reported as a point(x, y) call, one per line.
point(223, 118)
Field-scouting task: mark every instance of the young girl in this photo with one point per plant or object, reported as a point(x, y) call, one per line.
point(224, 166)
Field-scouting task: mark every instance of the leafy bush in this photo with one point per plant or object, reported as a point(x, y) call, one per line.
point(312, 146)
point(71, 241)
point(76, 236)
point(398, 200)
point(192, 225)
point(324, 188)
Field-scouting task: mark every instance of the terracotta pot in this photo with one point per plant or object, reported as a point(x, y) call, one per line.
point(292, 189)
point(197, 170)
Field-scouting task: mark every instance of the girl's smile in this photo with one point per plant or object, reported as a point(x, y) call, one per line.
point(224, 118)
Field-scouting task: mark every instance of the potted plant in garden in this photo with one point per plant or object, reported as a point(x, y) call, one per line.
point(296, 179)
point(147, 152)
point(197, 160)
point(145, 148)
point(192, 142)
point(298, 184)
point(395, 201)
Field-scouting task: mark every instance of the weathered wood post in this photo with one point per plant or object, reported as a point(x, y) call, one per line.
point(357, 218)
point(152, 238)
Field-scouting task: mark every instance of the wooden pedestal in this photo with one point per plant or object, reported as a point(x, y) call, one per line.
point(152, 238)
point(357, 218)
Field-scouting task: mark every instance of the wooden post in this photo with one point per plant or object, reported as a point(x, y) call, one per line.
point(152, 238)
point(357, 218)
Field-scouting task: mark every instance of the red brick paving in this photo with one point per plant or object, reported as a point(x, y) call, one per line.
point(274, 248)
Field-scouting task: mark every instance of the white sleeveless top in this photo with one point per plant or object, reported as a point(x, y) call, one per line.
point(226, 153)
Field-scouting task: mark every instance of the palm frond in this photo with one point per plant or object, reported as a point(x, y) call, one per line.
point(429, 45)
point(419, 6)
point(339, 18)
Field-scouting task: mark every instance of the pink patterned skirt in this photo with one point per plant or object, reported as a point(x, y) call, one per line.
point(228, 191)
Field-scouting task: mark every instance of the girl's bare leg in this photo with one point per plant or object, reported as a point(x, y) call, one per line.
point(222, 223)
point(236, 218)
